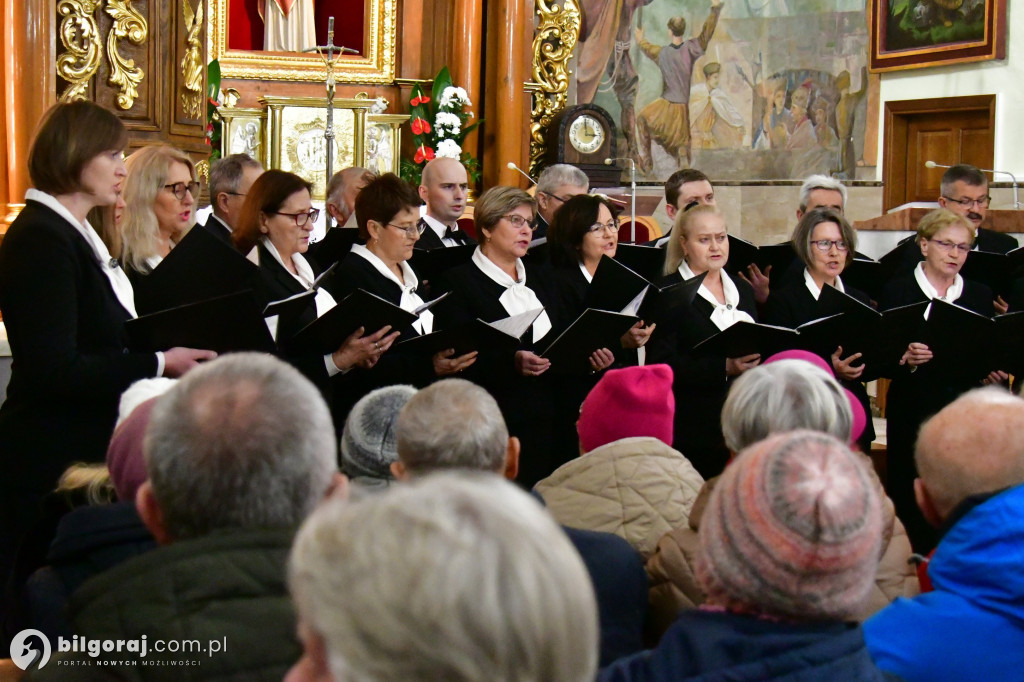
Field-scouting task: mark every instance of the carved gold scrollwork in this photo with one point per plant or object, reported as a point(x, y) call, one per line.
point(128, 23)
point(192, 62)
point(553, 44)
point(81, 39)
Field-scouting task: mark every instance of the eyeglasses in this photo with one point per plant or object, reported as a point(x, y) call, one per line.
point(555, 196)
point(611, 226)
point(178, 189)
point(410, 230)
point(302, 218)
point(946, 247)
point(827, 244)
point(980, 202)
point(234, 194)
point(519, 221)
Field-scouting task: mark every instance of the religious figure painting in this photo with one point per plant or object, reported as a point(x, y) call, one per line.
point(294, 25)
point(742, 89)
point(916, 33)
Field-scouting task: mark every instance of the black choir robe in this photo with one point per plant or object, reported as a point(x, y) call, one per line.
point(793, 305)
point(219, 229)
point(429, 239)
point(526, 401)
point(914, 397)
point(987, 240)
point(699, 383)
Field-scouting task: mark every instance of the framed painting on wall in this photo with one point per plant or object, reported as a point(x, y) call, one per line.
point(911, 34)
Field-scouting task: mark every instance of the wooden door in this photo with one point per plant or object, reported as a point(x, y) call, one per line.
point(947, 131)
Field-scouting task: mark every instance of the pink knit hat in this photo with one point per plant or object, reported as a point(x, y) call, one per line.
point(124, 454)
point(793, 529)
point(634, 401)
point(804, 355)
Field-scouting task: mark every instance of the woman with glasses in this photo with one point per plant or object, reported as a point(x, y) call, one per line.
point(700, 383)
point(387, 216)
point(944, 239)
point(65, 302)
point(496, 284)
point(273, 227)
point(160, 194)
point(825, 242)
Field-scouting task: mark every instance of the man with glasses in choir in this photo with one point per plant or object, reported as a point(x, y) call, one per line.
point(555, 186)
point(965, 192)
point(230, 179)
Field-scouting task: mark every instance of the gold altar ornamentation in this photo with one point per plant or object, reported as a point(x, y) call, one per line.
point(192, 62)
point(81, 39)
point(375, 65)
point(203, 170)
point(553, 45)
point(128, 23)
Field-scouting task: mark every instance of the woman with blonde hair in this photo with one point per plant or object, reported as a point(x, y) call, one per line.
point(160, 194)
point(700, 245)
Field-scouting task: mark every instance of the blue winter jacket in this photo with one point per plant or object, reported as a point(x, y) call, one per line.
point(711, 645)
point(972, 626)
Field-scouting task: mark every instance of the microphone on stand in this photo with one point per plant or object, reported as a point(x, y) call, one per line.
point(512, 166)
point(1016, 202)
point(632, 186)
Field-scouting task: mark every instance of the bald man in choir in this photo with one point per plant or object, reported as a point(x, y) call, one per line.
point(444, 188)
point(288, 25)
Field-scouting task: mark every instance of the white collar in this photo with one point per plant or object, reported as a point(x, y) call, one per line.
point(952, 293)
point(436, 225)
point(723, 315)
point(303, 271)
point(220, 220)
point(488, 267)
point(380, 266)
point(115, 275)
point(586, 273)
point(517, 297)
point(813, 288)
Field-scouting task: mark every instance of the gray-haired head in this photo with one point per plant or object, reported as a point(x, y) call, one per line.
point(452, 424)
point(457, 576)
point(368, 442)
point(242, 442)
point(824, 182)
point(784, 396)
point(227, 177)
point(343, 188)
point(553, 177)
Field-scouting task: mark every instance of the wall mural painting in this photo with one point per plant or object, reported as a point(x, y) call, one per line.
point(742, 89)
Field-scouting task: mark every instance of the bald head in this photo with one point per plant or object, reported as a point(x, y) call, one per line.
point(973, 446)
point(443, 188)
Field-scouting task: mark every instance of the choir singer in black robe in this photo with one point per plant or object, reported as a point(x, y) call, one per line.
point(825, 242)
point(700, 244)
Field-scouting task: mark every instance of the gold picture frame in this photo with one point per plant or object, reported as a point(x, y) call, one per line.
point(377, 65)
point(382, 142)
point(243, 131)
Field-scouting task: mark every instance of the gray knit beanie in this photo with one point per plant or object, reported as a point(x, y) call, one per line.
point(368, 442)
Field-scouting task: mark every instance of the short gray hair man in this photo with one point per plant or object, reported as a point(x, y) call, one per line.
point(342, 191)
point(556, 185)
point(784, 396)
point(230, 179)
point(821, 190)
point(458, 577)
point(242, 442)
point(453, 424)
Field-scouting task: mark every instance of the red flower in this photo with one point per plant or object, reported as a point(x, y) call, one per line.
point(423, 153)
point(419, 99)
point(420, 126)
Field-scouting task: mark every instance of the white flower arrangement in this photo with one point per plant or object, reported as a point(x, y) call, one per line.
point(449, 148)
point(447, 124)
point(454, 96)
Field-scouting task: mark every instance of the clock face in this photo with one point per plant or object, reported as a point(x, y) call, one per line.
point(586, 134)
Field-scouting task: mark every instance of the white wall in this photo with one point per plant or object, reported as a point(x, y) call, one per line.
point(1003, 78)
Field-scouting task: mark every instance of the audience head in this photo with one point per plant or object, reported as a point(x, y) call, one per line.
point(230, 180)
point(556, 185)
point(275, 204)
point(343, 189)
point(454, 577)
point(820, 191)
point(784, 396)
point(63, 160)
point(685, 187)
point(814, 229)
point(242, 442)
point(628, 403)
point(505, 218)
point(793, 530)
point(444, 188)
point(964, 191)
point(368, 442)
point(699, 237)
point(160, 193)
point(125, 460)
point(971, 447)
point(387, 212)
point(453, 424)
point(582, 230)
